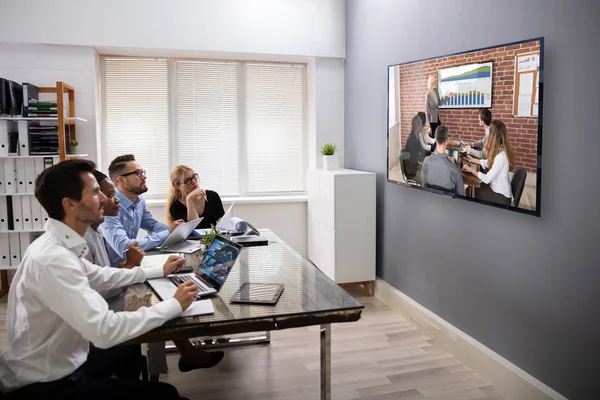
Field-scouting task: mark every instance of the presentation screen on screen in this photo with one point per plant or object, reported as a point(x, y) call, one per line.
point(467, 86)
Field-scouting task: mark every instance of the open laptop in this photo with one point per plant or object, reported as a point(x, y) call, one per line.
point(211, 272)
point(177, 243)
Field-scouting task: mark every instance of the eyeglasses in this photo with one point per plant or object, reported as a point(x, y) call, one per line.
point(190, 179)
point(138, 172)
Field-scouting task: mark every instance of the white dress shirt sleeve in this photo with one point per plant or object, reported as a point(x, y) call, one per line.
point(65, 290)
point(103, 278)
point(494, 172)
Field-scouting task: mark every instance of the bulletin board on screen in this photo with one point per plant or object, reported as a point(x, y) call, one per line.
point(467, 86)
point(527, 82)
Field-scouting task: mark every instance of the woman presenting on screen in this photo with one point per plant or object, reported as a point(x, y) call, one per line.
point(433, 103)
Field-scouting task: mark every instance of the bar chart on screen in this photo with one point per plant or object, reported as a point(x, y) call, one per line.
point(466, 86)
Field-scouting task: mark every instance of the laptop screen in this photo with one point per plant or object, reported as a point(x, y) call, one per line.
point(218, 261)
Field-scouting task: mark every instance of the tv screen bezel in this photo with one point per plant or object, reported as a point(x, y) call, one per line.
point(537, 211)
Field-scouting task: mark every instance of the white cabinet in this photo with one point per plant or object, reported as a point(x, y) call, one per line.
point(341, 224)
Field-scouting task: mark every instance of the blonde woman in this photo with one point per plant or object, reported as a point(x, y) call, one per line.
point(433, 103)
point(187, 201)
point(495, 186)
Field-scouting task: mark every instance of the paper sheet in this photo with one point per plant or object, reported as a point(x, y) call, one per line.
point(200, 307)
point(527, 63)
point(225, 222)
point(535, 110)
point(526, 83)
point(524, 105)
point(154, 260)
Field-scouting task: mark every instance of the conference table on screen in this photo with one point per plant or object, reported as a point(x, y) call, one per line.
point(309, 298)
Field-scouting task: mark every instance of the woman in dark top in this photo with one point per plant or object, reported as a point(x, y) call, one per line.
point(187, 201)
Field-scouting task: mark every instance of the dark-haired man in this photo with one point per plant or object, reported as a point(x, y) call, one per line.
point(54, 310)
point(98, 253)
point(192, 357)
point(121, 231)
point(485, 119)
point(438, 170)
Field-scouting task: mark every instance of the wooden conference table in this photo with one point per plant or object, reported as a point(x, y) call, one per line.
point(309, 298)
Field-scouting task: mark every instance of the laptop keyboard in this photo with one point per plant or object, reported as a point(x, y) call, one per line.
point(178, 280)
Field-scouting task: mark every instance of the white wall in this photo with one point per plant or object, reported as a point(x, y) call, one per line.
point(329, 103)
point(311, 31)
point(44, 65)
point(297, 27)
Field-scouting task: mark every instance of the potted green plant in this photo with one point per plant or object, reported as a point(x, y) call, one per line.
point(330, 159)
point(73, 146)
point(208, 239)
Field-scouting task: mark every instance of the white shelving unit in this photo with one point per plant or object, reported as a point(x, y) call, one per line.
point(341, 225)
point(50, 119)
point(28, 217)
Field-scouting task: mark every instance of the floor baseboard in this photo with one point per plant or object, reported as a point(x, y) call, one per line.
point(511, 381)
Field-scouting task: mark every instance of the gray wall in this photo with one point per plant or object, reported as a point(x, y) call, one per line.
point(526, 287)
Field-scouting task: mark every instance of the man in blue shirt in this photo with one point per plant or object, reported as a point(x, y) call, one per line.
point(122, 230)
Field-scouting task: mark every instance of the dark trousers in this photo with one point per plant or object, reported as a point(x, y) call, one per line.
point(433, 126)
point(486, 193)
point(93, 380)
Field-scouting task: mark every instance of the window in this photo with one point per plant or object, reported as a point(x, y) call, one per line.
point(240, 125)
point(136, 116)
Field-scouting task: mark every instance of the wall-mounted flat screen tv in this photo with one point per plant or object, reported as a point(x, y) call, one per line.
point(469, 125)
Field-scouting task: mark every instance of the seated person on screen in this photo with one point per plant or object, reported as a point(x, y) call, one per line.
point(485, 119)
point(417, 153)
point(54, 310)
point(186, 201)
point(425, 136)
point(439, 170)
point(495, 186)
point(121, 231)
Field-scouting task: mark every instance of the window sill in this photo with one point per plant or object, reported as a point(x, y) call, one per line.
point(303, 198)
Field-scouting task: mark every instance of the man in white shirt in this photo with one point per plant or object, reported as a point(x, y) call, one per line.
point(55, 311)
point(485, 119)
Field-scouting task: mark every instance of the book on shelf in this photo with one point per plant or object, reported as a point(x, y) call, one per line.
point(41, 115)
point(30, 93)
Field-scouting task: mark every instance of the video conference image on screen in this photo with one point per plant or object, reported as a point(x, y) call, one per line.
point(469, 125)
point(218, 260)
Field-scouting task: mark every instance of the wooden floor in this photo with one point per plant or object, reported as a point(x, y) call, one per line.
point(382, 356)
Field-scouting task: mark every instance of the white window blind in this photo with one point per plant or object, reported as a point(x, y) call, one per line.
point(208, 123)
point(240, 125)
point(275, 127)
point(136, 116)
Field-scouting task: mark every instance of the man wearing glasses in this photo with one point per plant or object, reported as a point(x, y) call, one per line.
point(122, 230)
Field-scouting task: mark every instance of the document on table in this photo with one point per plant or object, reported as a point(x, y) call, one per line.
point(155, 260)
point(200, 307)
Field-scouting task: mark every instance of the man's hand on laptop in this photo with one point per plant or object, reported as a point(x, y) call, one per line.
point(175, 224)
point(186, 294)
point(173, 264)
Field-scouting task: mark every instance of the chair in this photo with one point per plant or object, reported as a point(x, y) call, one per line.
point(407, 172)
point(517, 184)
point(442, 189)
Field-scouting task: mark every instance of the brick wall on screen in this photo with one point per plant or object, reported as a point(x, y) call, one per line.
point(464, 123)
